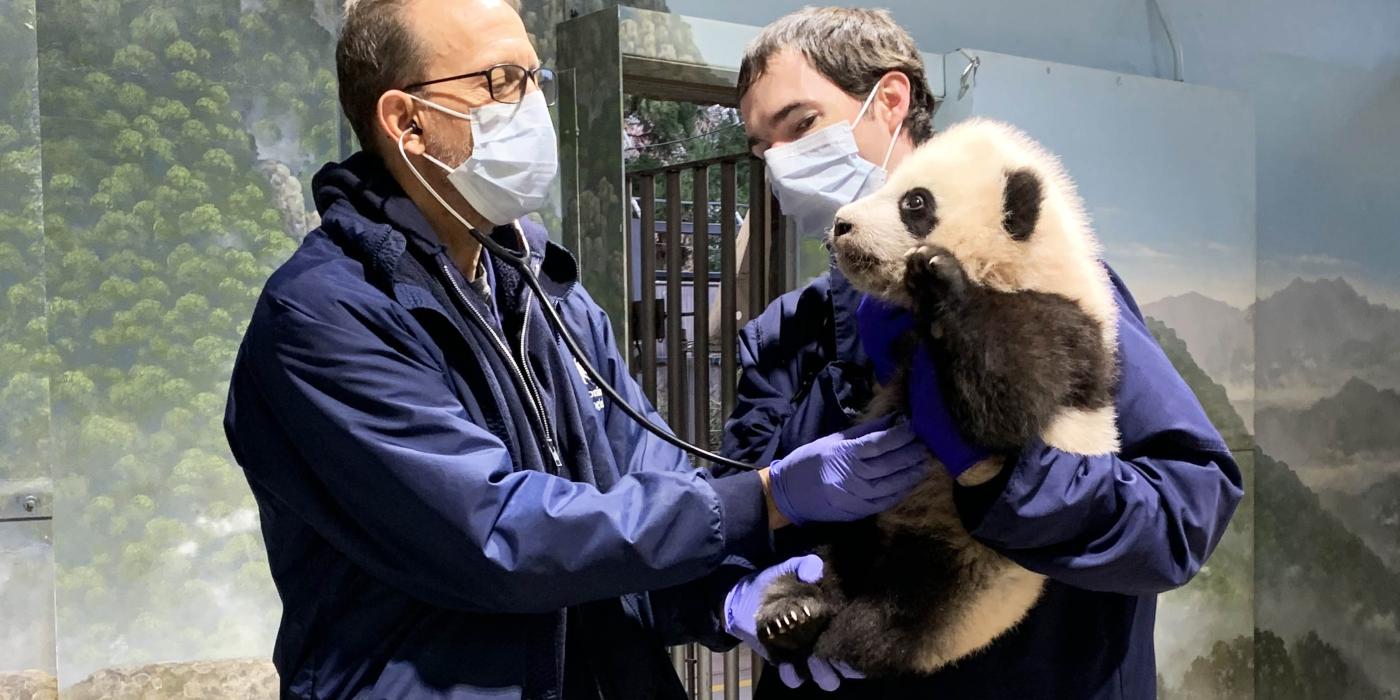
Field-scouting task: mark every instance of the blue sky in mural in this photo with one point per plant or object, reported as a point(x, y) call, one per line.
point(1329, 178)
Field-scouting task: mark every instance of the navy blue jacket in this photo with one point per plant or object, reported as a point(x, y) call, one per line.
point(430, 535)
point(1111, 532)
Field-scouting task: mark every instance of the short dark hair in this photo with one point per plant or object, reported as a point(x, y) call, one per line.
point(376, 52)
point(853, 47)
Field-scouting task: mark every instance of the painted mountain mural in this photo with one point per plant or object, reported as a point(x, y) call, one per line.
point(1313, 337)
point(1324, 483)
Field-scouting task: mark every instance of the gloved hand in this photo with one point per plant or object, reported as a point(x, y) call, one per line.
point(850, 475)
point(881, 324)
point(741, 610)
point(931, 420)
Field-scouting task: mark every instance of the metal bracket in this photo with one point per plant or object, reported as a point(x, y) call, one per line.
point(26, 500)
point(968, 79)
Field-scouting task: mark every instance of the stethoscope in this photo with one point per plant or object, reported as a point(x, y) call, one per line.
point(520, 259)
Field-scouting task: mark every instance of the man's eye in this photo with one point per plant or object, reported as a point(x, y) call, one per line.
point(806, 123)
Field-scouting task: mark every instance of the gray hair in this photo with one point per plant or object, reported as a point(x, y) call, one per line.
point(376, 52)
point(853, 48)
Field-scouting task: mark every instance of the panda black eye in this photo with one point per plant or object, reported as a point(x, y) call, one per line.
point(918, 211)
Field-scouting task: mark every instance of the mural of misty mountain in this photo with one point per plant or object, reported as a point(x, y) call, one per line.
point(1328, 533)
point(1315, 336)
point(1327, 518)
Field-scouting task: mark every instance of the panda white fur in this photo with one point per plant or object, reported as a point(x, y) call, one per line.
point(981, 234)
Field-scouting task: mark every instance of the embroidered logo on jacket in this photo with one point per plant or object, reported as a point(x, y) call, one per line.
point(593, 391)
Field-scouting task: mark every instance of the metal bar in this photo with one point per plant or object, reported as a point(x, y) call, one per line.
point(700, 308)
point(705, 673)
point(675, 345)
point(777, 248)
point(646, 316)
point(731, 675)
point(678, 661)
point(758, 240)
point(728, 293)
point(701, 163)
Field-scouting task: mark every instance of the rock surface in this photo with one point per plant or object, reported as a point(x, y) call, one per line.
point(233, 679)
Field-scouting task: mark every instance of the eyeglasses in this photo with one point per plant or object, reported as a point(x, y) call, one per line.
point(507, 82)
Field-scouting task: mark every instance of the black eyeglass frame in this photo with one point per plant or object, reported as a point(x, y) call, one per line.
point(532, 74)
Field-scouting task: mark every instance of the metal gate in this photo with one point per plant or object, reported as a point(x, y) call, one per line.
point(686, 317)
point(678, 320)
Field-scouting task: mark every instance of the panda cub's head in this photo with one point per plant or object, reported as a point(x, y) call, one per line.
point(995, 199)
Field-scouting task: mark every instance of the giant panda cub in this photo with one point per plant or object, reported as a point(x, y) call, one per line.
point(981, 234)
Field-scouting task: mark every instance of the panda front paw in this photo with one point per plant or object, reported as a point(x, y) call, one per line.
point(793, 615)
point(934, 278)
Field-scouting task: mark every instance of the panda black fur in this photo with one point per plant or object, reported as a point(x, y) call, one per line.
point(982, 235)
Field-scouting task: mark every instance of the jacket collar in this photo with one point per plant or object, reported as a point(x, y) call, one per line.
point(844, 299)
point(365, 210)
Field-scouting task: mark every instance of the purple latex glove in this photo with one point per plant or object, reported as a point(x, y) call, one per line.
point(881, 324)
point(931, 420)
point(850, 475)
point(740, 620)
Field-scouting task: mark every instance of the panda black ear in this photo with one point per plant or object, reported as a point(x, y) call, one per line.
point(1021, 203)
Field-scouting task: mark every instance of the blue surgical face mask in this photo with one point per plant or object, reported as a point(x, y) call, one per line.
point(823, 171)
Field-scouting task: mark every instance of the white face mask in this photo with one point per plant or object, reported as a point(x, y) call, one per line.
point(514, 159)
point(821, 172)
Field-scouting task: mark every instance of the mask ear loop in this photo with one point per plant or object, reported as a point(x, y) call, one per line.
point(424, 181)
point(524, 244)
point(893, 139)
point(884, 165)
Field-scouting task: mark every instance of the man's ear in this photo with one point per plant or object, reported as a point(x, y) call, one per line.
point(395, 114)
point(894, 94)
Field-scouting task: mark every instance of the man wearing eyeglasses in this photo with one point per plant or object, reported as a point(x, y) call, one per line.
point(448, 510)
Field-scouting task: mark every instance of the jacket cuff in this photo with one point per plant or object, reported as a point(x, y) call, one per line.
point(973, 502)
point(744, 518)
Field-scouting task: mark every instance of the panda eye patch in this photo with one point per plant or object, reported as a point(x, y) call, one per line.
point(917, 211)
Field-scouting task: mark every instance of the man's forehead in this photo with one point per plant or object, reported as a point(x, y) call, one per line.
point(788, 77)
point(470, 34)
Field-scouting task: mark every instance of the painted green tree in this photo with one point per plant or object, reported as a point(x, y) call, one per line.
point(178, 135)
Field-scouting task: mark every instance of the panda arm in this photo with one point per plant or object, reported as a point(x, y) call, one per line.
point(1141, 521)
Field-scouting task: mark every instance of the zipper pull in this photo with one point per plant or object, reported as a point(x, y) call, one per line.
point(554, 453)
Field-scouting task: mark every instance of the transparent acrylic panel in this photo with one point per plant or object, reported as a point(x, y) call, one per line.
point(27, 665)
point(1167, 173)
point(179, 139)
point(26, 609)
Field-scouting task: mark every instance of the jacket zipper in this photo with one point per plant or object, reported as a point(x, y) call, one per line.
point(536, 402)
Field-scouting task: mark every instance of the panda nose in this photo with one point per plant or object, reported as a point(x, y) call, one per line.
point(841, 228)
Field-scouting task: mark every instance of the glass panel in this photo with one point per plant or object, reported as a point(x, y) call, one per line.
point(27, 666)
point(179, 138)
